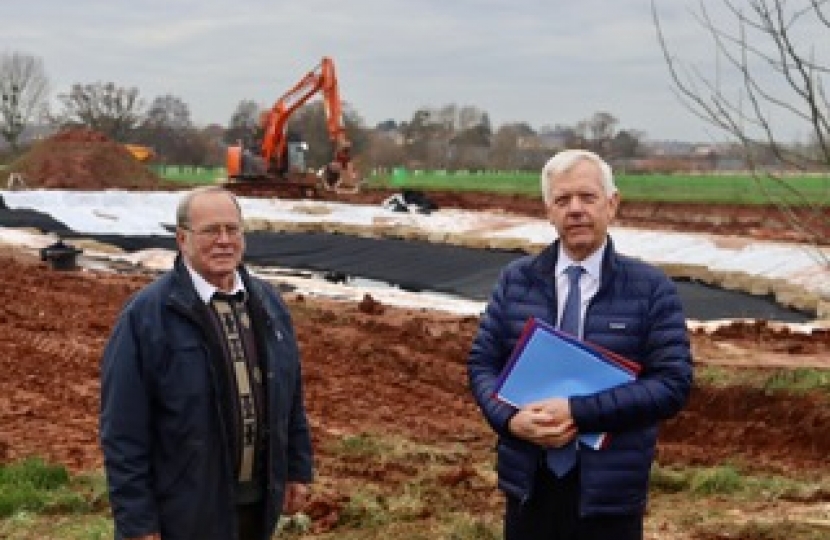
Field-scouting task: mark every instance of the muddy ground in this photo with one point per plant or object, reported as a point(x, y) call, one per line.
point(763, 222)
point(373, 369)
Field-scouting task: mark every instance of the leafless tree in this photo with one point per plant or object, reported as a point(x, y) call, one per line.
point(771, 61)
point(603, 127)
point(384, 150)
point(512, 146)
point(169, 130)
point(310, 125)
point(112, 110)
point(23, 94)
point(244, 125)
point(169, 111)
point(427, 136)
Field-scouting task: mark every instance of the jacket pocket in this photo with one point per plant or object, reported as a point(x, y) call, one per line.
point(186, 370)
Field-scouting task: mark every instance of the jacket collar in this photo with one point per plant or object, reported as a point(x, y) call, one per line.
point(185, 294)
point(206, 290)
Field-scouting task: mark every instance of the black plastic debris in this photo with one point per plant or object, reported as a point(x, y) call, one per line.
point(61, 256)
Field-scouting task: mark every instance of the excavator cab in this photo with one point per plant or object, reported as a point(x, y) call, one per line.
point(247, 164)
point(294, 160)
point(244, 164)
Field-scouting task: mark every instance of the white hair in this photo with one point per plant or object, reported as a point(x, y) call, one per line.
point(183, 208)
point(565, 160)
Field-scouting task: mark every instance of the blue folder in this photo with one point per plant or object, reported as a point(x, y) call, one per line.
point(547, 363)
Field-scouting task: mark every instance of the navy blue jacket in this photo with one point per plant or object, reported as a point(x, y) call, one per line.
point(636, 312)
point(162, 427)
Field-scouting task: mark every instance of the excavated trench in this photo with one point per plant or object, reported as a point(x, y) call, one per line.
point(370, 368)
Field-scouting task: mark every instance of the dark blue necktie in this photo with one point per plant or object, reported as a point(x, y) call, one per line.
point(571, 312)
point(561, 460)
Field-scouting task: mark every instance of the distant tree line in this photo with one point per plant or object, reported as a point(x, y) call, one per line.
point(447, 137)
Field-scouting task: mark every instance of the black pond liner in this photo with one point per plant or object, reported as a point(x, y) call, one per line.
point(411, 265)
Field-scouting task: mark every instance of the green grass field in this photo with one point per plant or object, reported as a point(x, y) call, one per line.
point(718, 189)
point(189, 175)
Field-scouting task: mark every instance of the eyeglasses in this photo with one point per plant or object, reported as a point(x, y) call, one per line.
point(214, 232)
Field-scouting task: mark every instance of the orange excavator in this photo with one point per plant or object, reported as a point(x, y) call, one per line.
point(280, 158)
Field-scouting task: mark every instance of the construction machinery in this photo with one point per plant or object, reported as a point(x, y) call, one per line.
point(139, 152)
point(280, 158)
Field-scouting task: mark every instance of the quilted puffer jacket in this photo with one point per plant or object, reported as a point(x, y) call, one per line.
point(637, 313)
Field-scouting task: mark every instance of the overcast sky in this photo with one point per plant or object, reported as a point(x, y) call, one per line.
point(544, 62)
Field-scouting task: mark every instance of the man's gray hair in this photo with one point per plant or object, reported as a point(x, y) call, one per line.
point(183, 208)
point(566, 159)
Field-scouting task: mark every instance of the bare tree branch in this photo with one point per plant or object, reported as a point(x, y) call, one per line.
point(112, 110)
point(23, 94)
point(778, 78)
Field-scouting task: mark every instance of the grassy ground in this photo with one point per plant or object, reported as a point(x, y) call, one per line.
point(189, 175)
point(686, 503)
point(722, 189)
point(40, 500)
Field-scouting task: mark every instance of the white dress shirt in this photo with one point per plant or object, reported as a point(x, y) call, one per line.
point(588, 282)
point(205, 290)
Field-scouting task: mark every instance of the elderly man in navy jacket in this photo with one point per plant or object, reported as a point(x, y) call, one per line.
point(622, 304)
point(203, 426)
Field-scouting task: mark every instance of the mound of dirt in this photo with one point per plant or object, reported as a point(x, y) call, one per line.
point(83, 159)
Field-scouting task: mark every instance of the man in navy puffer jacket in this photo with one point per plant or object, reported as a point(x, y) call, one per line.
point(626, 306)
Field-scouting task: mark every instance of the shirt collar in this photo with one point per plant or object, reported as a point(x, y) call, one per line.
point(592, 264)
point(205, 290)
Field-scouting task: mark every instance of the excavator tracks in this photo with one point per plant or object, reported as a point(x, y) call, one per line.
point(289, 189)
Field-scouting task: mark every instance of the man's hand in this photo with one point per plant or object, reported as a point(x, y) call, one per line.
point(154, 536)
point(547, 423)
point(296, 497)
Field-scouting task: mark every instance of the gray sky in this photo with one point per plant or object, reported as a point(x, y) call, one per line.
point(539, 61)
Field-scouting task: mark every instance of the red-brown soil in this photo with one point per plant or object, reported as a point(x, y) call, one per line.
point(375, 369)
point(371, 368)
point(83, 159)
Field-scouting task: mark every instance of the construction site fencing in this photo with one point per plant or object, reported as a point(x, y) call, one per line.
point(190, 174)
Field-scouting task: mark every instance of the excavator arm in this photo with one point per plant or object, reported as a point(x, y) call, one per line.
point(273, 161)
point(320, 79)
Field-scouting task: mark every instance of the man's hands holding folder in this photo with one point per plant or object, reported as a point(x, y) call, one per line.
point(547, 423)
